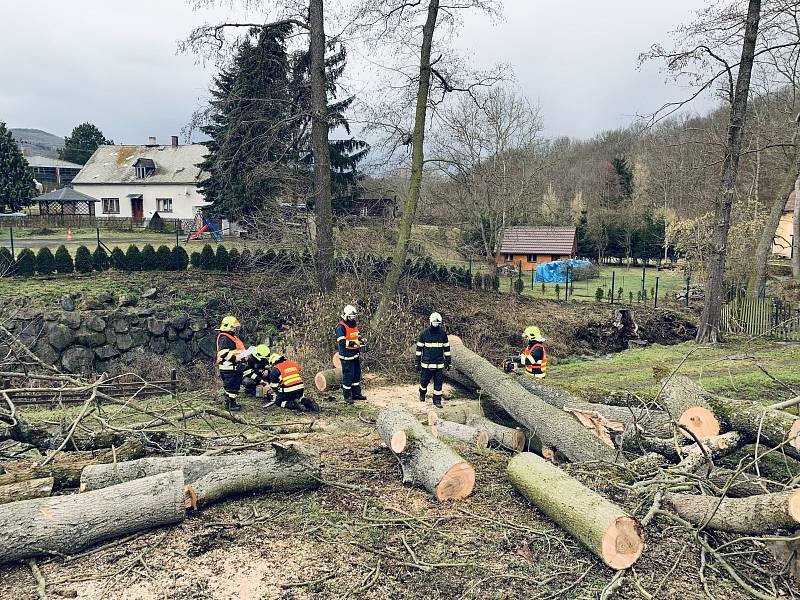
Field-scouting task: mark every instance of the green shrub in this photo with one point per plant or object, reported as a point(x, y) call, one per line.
point(100, 259)
point(133, 258)
point(598, 294)
point(196, 259)
point(235, 260)
point(164, 260)
point(45, 262)
point(246, 260)
point(64, 262)
point(610, 295)
point(222, 259)
point(117, 259)
point(180, 260)
point(558, 291)
point(83, 260)
point(26, 263)
point(620, 291)
point(6, 262)
point(544, 289)
point(208, 260)
point(149, 258)
point(630, 297)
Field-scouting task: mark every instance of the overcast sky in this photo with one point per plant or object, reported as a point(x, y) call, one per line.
point(115, 63)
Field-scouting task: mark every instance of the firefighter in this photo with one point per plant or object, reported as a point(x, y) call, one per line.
point(432, 359)
point(350, 344)
point(286, 382)
point(533, 358)
point(256, 369)
point(228, 348)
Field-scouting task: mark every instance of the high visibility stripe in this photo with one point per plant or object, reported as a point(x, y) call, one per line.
point(355, 356)
point(423, 389)
point(418, 353)
point(437, 392)
point(293, 388)
point(274, 386)
point(421, 344)
point(225, 367)
point(340, 338)
point(432, 365)
point(447, 353)
point(433, 344)
point(345, 387)
point(356, 384)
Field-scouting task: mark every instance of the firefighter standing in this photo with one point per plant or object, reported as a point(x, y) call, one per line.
point(286, 382)
point(534, 357)
point(432, 358)
point(256, 369)
point(350, 342)
point(228, 348)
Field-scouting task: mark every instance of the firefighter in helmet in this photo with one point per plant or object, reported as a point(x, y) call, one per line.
point(350, 344)
point(256, 369)
point(432, 358)
point(229, 346)
point(286, 381)
point(533, 358)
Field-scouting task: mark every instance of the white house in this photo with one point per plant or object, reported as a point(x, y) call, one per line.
point(137, 181)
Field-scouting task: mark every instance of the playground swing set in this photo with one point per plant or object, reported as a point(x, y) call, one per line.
point(202, 226)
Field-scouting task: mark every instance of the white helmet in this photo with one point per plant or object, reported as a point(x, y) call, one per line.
point(436, 319)
point(349, 311)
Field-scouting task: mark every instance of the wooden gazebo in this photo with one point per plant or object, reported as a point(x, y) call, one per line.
point(66, 201)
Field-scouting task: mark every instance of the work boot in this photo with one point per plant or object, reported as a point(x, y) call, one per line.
point(422, 396)
point(309, 404)
point(348, 399)
point(437, 401)
point(359, 396)
point(232, 405)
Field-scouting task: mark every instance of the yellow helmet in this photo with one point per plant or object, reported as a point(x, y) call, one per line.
point(261, 352)
point(229, 323)
point(273, 358)
point(532, 333)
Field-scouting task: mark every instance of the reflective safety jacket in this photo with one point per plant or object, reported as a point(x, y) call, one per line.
point(256, 370)
point(433, 349)
point(348, 340)
point(228, 346)
point(534, 359)
point(285, 377)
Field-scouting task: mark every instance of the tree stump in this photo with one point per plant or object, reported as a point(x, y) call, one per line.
point(753, 515)
point(328, 379)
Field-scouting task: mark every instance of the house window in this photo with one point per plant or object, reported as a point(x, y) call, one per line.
point(164, 204)
point(110, 205)
point(508, 257)
point(531, 258)
point(141, 172)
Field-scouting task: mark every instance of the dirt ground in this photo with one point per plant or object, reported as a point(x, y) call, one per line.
point(364, 535)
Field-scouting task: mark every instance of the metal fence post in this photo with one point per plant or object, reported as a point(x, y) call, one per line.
point(644, 270)
point(655, 296)
point(613, 284)
point(13, 254)
point(688, 279)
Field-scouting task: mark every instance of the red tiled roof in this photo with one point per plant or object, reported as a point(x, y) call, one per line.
point(538, 240)
point(790, 203)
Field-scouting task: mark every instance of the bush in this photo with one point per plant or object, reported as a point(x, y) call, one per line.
point(477, 281)
point(586, 272)
point(207, 259)
point(222, 260)
point(235, 260)
point(630, 297)
point(164, 260)
point(620, 291)
point(246, 260)
point(558, 291)
point(518, 286)
point(149, 258)
point(6, 262)
point(100, 259)
point(45, 262)
point(544, 289)
point(598, 294)
point(133, 258)
point(117, 259)
point(610, 295)
point(26, 263)
point(195, 260)
point(83, 260)
point(64, 262)
point(180, 260)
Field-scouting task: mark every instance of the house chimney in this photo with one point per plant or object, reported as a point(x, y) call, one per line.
point(151, 141)
point(174, 141)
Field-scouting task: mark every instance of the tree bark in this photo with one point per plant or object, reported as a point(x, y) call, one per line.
point(68, 524)
point(687, 403)
point(772, 465)
point(328, 379)
point(326, 271)
point(417, 166)
point(715, 447)
point(750, 515)
point(796, 230)
point(600, 525)
point(460, 431)
point(296, 467)
point(25, 490)
point(425, 460)
point(555, 428)
point(505, 437)
point(709, 328)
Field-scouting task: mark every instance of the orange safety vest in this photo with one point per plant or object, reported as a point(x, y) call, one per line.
point(239, 344)
point(352, 339)
point(291, 380)
point(537, 369)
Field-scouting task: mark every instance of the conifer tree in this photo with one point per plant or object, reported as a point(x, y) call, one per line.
point(16, 178)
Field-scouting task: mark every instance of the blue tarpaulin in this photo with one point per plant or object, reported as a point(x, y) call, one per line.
point(556, 271)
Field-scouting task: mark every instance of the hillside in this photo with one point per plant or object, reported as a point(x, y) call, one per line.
point(37, 142)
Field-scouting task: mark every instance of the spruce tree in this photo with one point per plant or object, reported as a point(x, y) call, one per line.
point(149, 261)
point(196, 260)
point(164, 259)
point(208, 260)
point(6, 262)
point(45, 262)
point(81, 144)
point(133, 258)
point(180, 260)
point(64, 263)
point(25, 265)
point(117, 259)
point(83, 260)
point(16, 178)
point(100, 259)
point(222, 261)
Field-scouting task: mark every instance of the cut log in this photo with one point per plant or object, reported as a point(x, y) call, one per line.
point(741, 485)
point(336, 361)
point(555, 428)
point(459, 431)
point(67, 524)
point(772, 464)
point(719, 445)
point(505, 437)
point(599, 524)
point(425, 460)
point(51, 438)
point(328, 379)
point(751, 515)
point(687, 404)
point(25, 490)
point(281, 469)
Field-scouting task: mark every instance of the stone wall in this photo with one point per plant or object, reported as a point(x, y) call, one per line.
point(88, 335)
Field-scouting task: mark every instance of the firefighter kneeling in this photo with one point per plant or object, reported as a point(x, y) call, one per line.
point(256, 371)
point(533, 357)
point(287, 385)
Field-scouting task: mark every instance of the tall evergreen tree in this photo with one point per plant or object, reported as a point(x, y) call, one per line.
point(79, 147)
point(16, 179)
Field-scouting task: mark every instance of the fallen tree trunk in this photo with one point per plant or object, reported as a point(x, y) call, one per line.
point(713, 447)
point(681, 398)
point(283, 468)
point(425, 460)
point(597, 523)
point(465, 433)
point(772, 464)
point(751, 515)
point(552, 426)
point(505, 437)
point(25, 490)
point(49, 439)
point(67, 524)
point(328, 379)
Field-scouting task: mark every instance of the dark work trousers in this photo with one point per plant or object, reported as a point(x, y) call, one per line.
point(231, 383)
point(288, 400)
point(425, 377)
point(351, 377)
